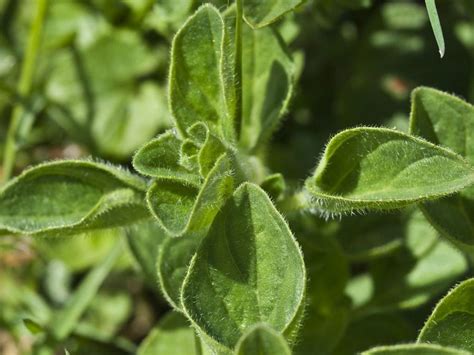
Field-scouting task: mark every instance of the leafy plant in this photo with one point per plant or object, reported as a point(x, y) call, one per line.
point(235, 252)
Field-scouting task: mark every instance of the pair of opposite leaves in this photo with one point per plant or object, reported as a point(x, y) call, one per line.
point(376, 168)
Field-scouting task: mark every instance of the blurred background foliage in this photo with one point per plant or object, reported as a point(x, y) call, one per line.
point(100, 89)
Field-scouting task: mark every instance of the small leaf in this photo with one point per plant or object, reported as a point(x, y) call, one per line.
point(436, 25)
point(159, 158)
point(448, 121)
point(68, 197)
point(181, 207)
point(260, 13)
point(33, 326)
point(247, 270)
point(452, 321)
point(65, 320)
point(196, 87)
point(274, 185)
point(172, 335)
point(263, 340)
point(414, 349)
point(377, 168)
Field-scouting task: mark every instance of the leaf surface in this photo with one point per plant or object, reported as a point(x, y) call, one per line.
point(67, 197)
point(247, 270)
point(197, 90)
point(263, 340)
point(260, 13)
point(181, 207)
point(452, 321)
point(448, 121)
point(376, 168)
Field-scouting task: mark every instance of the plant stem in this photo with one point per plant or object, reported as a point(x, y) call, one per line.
point(238, 67)
point(197, 344)
point(24, 86)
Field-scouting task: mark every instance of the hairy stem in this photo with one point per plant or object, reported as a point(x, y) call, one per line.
point(24, 86)
point(238, 67)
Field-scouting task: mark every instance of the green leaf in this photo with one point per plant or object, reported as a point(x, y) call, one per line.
point(377, 168)
point(65, 320)
point(452, 321)
point(414, 349)
point(160, 157)
point(247, 270)
point(197, 86)
point(267, 84)
point(33, 326)
point(172, 335)
point(145, 240)
point(436, 25)
point(67, 197)
point(448, 121)
point(173, 263)
point(260, 13)
point(415, 279)
point(182, 208)
point(263, 340)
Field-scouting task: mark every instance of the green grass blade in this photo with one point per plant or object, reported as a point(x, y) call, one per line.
point(436, 25)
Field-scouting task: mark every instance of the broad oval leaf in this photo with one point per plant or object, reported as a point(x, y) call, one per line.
point(67, 197)
point(248, 269)
point(263, 340)
point(448, 121)
point(196, 86)
point(452, 321)
point(377, 168)
point(260, 13)
point(172, 335)
point(181, 207)
point(414, 349)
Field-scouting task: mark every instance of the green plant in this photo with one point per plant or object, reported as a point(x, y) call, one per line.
point(220, 234)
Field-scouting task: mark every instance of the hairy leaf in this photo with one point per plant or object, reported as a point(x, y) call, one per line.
point(159, 158)
point(267, 84)
point(260, 13)
point(263, 340)
point(247, 270)
point(67, 197)
point(414, 349)
point(173, 263)
point(376, 168)
point(448, 121)
point(181, 207)
point(172, 335)
point(452, 321)
point(197, 88)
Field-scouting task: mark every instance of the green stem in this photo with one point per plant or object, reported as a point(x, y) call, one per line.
point(197, 344)
point(238, 67)
point(24, 86)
